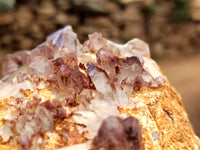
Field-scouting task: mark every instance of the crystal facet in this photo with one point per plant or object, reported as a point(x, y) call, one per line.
point(118, 134)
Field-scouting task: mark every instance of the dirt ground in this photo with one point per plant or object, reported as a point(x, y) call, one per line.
point(184, 75)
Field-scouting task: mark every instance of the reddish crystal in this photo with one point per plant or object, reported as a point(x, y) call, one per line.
point(117, 134)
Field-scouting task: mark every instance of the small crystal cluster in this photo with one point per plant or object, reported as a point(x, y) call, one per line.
point(63, 78)
point(113, 70)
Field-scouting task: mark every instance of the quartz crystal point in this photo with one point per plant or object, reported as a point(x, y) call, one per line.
point(117, 134)
point(97, 95)
point(13, 62)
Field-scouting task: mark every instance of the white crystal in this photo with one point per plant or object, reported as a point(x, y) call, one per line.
point(8, 89)
point(41, 67)
point(5, 132)
point(151, 68)
point(100, 80)
point(14, 61)
point(137, 47)
point(44, 118)
point(25, 125)
point(66, 41)
point(82, 146)
point(94, 113)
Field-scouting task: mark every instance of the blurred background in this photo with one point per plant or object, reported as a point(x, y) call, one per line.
point(171, 27)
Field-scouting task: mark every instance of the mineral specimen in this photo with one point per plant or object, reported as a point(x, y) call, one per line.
point(68, 95)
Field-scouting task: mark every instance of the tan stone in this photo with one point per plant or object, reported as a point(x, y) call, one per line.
point(195, 8)
point(47, 9)
point(24, 17)
point(103, 22)
point(198, 29)
point(132, 1)
point(6, 18)
point(162, 114)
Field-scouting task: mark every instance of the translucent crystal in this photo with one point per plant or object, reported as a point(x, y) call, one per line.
point(137, 47)
point(25, 142)
point(41, 67)
point(111, 134)
point(9, 89)
point(14, 61)
point(106, 61)
point(66, 40)
point(6, 132)
point(95, 42)
point(69, 63)
point(131, 48)
point(87, 95)
point(94, 113)
point(120, 97)
point(117, 134)
point(44, 118)
point(28, 124)
point(46, 49)
point(99, 79)
point(133, 133)
point(78, 79)
point(61, 113)
point(130, 68)
point(152, 71)
point(56, 37)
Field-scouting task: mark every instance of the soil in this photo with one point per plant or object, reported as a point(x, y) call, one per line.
point(183, 74)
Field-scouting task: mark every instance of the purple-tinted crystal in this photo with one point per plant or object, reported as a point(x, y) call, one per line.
point(106, 61)
point(118, 134)
point(99, 79)
point(14, 61)
point(40, 66)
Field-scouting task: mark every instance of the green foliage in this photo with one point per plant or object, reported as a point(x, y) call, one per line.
point(3, 6)
point(6, 4)
point(181, 11)
point(151, 8)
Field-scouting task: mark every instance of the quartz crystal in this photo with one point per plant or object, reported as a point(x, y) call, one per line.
point(115, 61)
point(6, 132)
point(118, 134)
point(64, 93)
point(13, 62)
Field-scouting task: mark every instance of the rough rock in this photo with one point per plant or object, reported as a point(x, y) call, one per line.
point(195, 8)
point(116, 20)
point(47, 9)
point(63, 94)
point(24, 17)
point(6, 18)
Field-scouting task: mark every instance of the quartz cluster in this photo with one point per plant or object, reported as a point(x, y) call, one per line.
point(111, 69)
point(81, 85)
